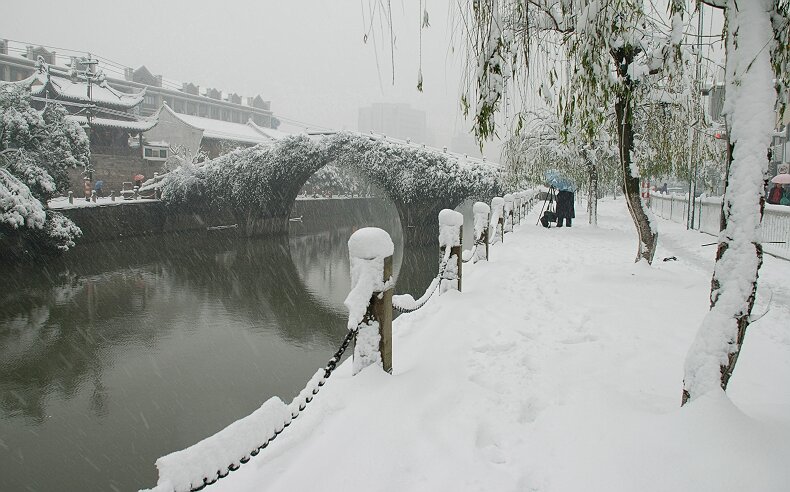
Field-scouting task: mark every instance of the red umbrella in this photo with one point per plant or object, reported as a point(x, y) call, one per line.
point(783, 178)
point(139, 177)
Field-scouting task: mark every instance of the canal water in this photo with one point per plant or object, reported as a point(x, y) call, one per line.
point(121, 352)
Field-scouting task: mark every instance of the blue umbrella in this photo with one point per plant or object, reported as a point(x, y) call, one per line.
point(559, 181)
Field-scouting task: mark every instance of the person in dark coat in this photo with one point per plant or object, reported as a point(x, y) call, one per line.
point(565, 209)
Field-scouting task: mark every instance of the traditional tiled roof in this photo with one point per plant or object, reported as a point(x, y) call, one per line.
point(269, 132)
point(141, 125)
point(66, 88)
point(223, 130)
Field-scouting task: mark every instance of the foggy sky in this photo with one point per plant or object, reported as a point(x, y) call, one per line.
point(306, 56)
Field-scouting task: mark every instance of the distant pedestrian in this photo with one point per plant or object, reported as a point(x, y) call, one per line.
point(565, 210)
point(87, 188)
point(775, 195)
point(785, 197)
point(663, 188)
point(99, 187)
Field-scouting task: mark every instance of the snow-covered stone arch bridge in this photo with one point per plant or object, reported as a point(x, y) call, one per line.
point(260, 184)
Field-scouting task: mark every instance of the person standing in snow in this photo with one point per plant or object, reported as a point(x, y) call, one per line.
point(86, 188)
point(565, 210)
point(775, 195)
point(785, 197)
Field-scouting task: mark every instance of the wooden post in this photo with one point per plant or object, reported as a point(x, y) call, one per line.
point(112, 195)
point(367, 249)
point(381, 310)
point(136, 192)
point(456, 250)
point(501, 226)
point(485, 234)
point(451, 230)
point(93, 196)
point(71, 197)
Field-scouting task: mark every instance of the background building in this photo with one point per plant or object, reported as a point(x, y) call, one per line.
point(135, 124)
point(19, 62)
point(395, 120)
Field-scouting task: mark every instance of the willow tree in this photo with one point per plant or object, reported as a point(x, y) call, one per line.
point(543, 144)
point(599, 56)
point(756, 70)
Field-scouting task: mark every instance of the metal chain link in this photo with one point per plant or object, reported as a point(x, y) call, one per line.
point(328, 370)
point(439, 276)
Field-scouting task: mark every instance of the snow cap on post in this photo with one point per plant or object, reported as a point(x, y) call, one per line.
point(450, 223)
point(480, 208)
point(509, 198)
point(369, 243)
point(497, 202)
point(367, 249)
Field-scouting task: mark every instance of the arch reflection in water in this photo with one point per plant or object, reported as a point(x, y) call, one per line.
point(125, 351)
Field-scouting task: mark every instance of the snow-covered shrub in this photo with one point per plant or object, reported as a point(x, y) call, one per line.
point(36, 150)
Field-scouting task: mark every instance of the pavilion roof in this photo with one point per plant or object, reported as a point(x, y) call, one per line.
point(77, 90)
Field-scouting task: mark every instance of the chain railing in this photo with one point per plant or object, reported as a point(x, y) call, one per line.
point(370, 303)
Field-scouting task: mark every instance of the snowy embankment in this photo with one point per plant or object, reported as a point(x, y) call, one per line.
point(559, 368)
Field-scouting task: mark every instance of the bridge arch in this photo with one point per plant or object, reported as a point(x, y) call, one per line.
point(260, 184)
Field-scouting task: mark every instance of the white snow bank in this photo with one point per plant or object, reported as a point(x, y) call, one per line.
point(185, 469)
point(559, 368)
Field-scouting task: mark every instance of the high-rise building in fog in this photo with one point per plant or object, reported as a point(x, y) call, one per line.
point(395, 120)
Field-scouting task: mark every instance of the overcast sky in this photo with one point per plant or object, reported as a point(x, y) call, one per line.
point(306, 56)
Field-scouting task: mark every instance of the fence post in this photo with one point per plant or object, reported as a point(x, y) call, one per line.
point(93, 196)
point(136, 192)
point(112, 195)
point(498, 211)
point(370, 301)
point(451, 229)
point(71, 197)
point(508, 215)
point(519, 201)
point(482, 213)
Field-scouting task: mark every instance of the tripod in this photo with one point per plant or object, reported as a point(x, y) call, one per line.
point(548, 203)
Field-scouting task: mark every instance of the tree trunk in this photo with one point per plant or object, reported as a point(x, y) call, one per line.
point(750, 111)
point(648, 235)
point(592, 201)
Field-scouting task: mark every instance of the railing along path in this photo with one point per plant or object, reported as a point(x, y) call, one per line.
point(704, 215)
point(370, 303)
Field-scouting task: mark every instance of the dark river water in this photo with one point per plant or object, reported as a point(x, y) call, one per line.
point(124, 351)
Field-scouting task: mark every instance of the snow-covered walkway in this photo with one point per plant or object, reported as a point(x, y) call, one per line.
point(559, 368)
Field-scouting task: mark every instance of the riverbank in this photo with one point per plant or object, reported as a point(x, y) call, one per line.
point(559, 368)
point(104, 348)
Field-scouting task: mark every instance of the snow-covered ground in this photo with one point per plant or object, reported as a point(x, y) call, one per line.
point(62, 203)
point(559, 368)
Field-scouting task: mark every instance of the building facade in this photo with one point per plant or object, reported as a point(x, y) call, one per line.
point(395, 120)
point(18, 64)
point(135, 126)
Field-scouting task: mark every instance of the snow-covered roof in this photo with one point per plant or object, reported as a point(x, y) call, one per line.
point(66, 88)
point(224, 130)
point(141, 125)
point(269, 132)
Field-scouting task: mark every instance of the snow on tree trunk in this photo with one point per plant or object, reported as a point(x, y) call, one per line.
point(624, 111)
point(592, 201)
point(749, 108)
